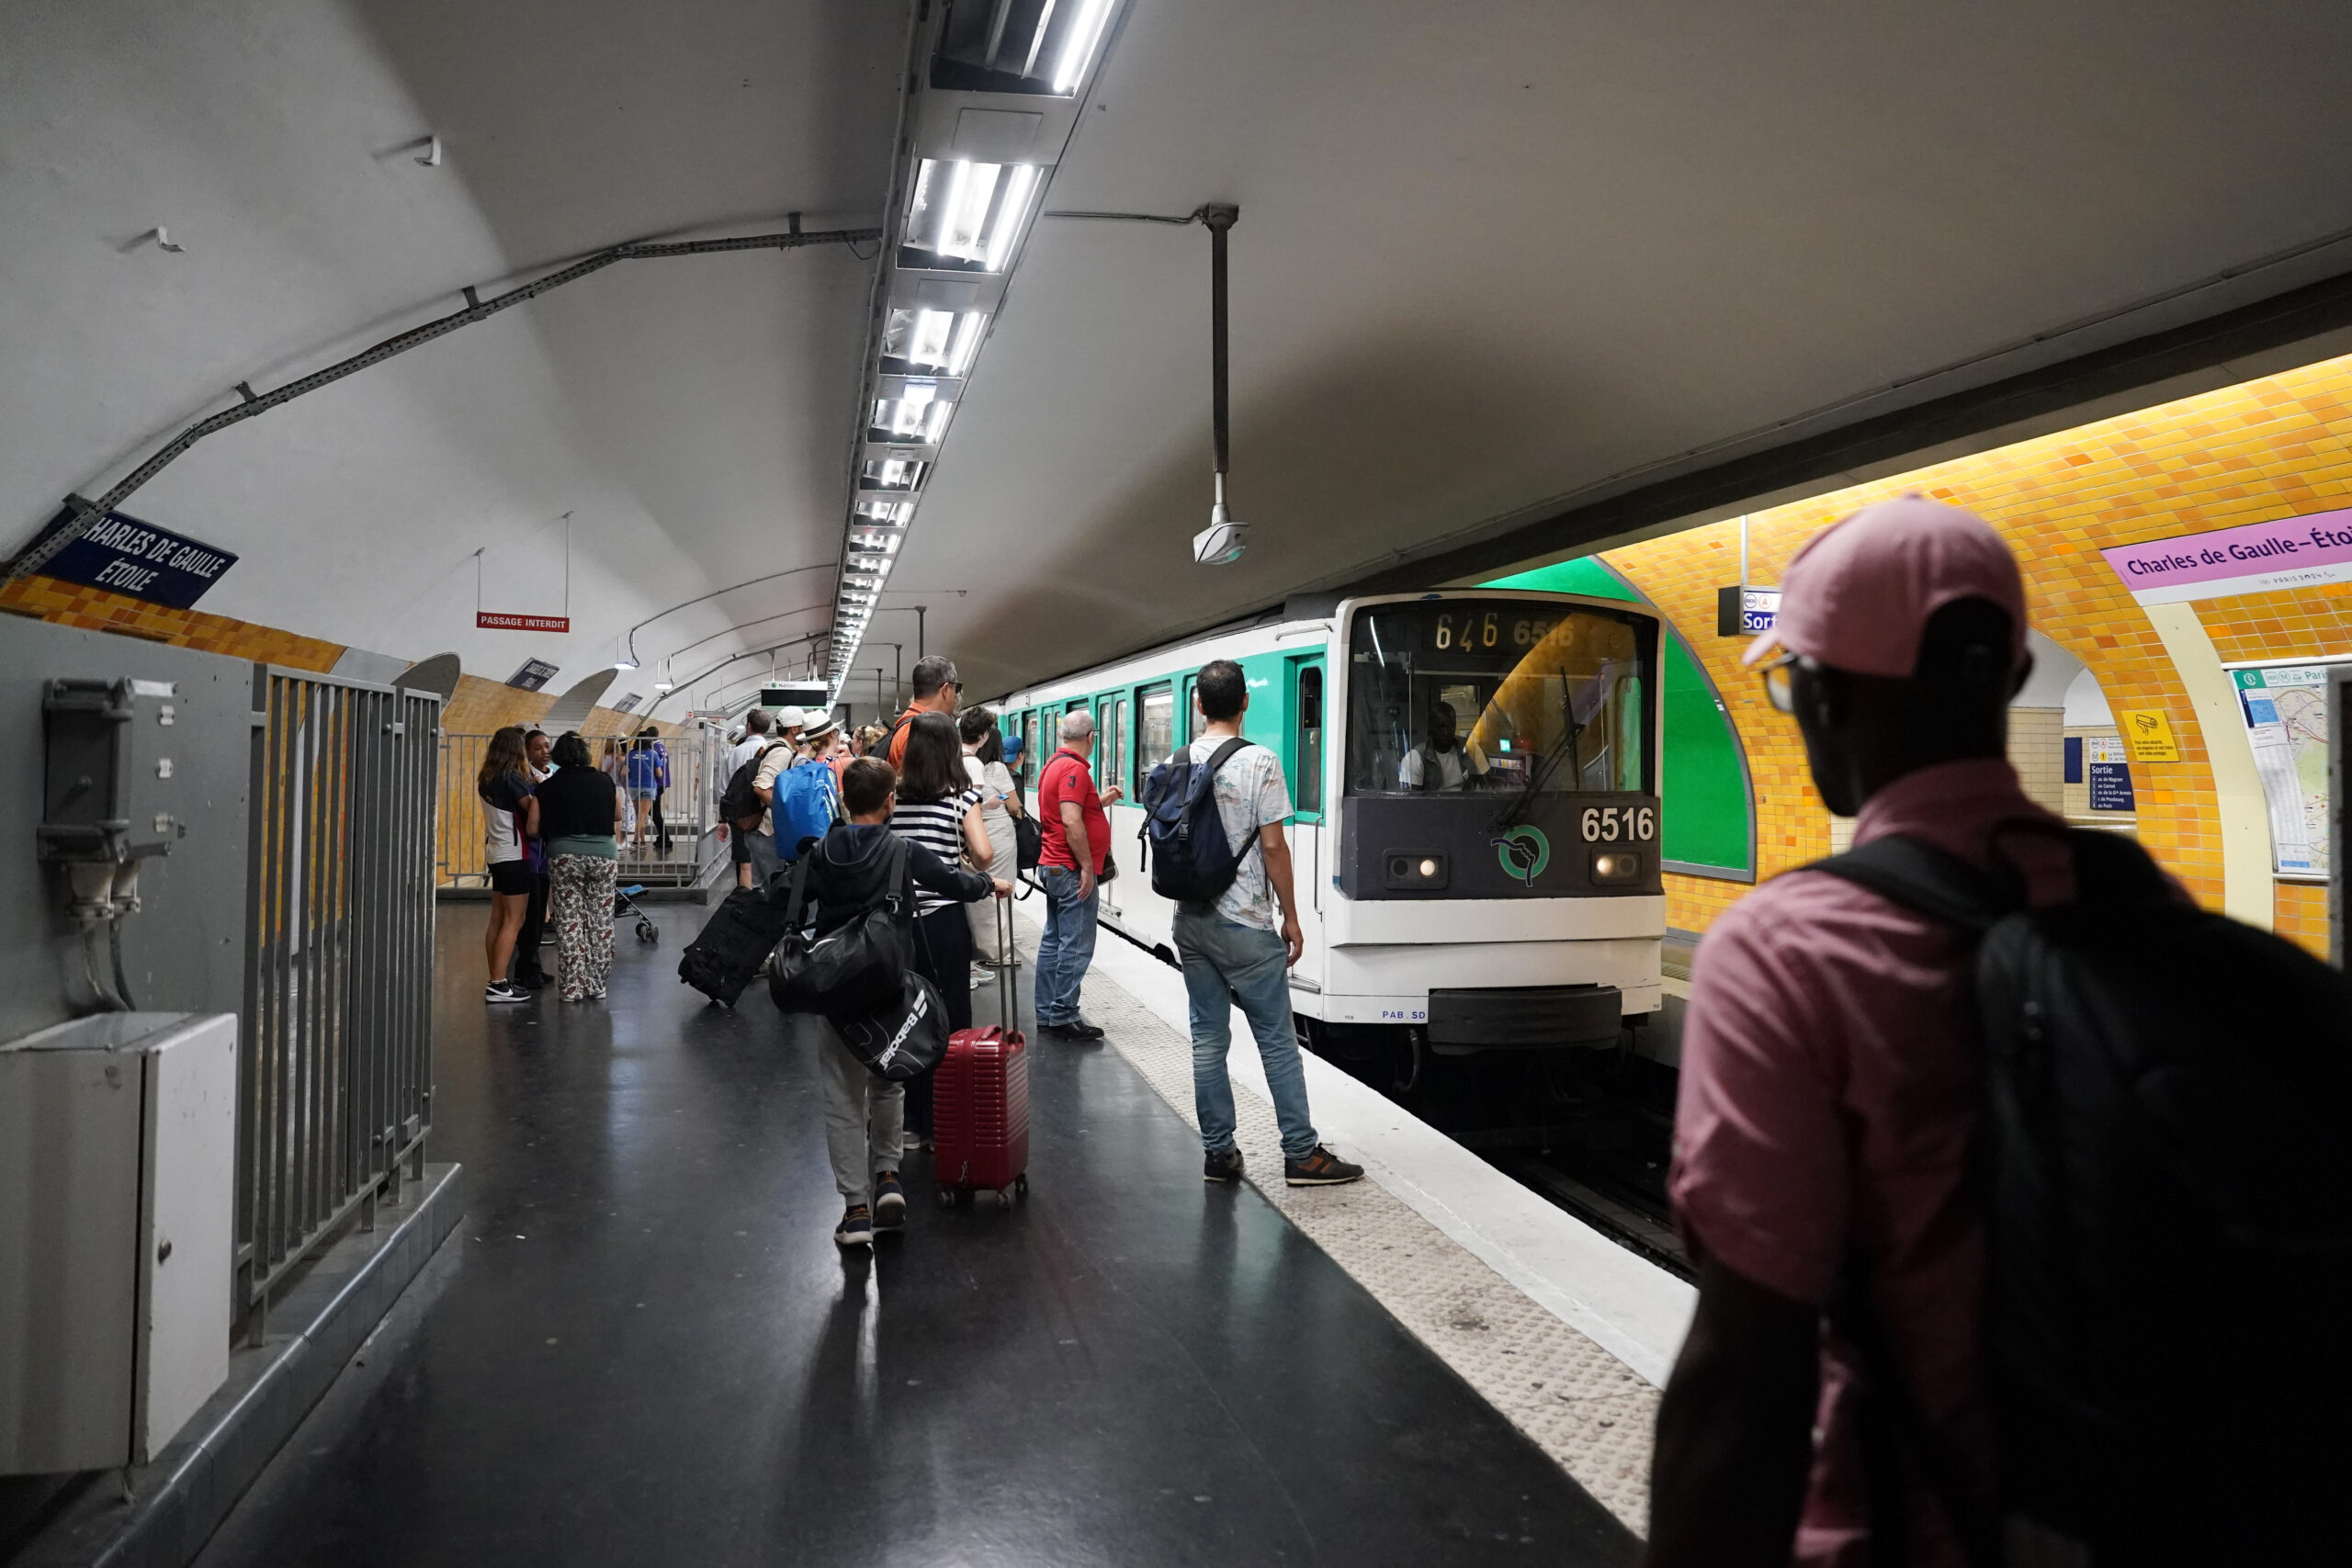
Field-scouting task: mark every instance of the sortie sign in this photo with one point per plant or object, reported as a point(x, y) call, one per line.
point(125, 555)
point(501, 621)
point(2260, 558)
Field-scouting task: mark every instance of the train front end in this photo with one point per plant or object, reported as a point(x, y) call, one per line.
point(1495, 883)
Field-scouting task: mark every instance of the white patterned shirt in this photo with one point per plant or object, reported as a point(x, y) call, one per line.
point(1250, 795)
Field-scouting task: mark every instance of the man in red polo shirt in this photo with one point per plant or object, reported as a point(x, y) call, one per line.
point(1075, 834)
point(1828, 1086)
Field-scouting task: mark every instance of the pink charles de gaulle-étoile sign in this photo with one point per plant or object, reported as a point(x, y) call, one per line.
point(2260, 558)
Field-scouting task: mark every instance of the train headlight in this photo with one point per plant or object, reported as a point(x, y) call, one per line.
point(1616, 865)
point(1413, 871)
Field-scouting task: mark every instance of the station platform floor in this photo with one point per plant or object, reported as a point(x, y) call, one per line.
point(641, 1344)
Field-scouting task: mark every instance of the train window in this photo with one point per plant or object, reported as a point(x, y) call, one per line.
point(1112, 723)
point(1156, 737)
point(1032, 757)
point(1306, 751)
point(1191, 715)
point(1470, 694)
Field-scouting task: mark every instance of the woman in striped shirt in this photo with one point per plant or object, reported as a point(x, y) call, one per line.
point(939, 809)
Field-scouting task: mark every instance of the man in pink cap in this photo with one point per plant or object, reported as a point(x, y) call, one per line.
point(1828, 1084)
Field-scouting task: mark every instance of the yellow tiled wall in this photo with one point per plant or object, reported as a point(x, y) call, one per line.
point(98, 610)
point(2277, 446)
point(2303, 914)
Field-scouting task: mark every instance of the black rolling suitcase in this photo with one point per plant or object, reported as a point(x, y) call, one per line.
point(738, 939)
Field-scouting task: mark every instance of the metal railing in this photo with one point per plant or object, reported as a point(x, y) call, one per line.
point(335, 1093)
point(690, 810)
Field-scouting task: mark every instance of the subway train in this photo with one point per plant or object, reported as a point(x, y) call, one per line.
point(1475, 773)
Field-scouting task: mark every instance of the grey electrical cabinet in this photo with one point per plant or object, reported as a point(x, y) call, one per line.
point(118, 1176)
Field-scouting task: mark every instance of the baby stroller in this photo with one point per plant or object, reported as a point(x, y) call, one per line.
point(624, 903)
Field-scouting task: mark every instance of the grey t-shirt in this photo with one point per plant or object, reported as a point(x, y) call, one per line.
point(1250, 795)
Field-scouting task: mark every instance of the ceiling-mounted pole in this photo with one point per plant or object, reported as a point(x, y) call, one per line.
point(1220, 222)
point(1223, 539)
point(920, 610)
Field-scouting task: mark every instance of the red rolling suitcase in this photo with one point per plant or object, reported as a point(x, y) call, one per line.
point(981, 1098)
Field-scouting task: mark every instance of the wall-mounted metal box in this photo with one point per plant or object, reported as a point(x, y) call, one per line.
point(118, 1139)
point(107, 787)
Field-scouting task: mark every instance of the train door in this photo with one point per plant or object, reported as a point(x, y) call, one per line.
point(1110, 769)
point(1303, 761)
point(1188, 715)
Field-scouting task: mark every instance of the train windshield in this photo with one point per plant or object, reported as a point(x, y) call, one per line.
point(1513, 694)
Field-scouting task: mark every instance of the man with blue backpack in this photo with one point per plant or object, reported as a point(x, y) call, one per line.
point(1213, 831)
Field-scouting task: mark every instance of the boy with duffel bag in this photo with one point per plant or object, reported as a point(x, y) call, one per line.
point(853, 971)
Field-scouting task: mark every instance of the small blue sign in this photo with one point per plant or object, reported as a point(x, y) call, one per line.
point(124, 556)
point(2074, 759)
point(2111, 786)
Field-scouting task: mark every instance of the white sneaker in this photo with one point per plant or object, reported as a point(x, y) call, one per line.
point(504, 991)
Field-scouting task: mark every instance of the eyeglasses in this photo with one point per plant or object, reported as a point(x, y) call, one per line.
point(1780, 676)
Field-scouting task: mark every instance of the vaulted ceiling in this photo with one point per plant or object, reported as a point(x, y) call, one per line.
point(1491, 259)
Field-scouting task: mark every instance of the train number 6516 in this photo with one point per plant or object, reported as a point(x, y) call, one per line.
point(1606, 824)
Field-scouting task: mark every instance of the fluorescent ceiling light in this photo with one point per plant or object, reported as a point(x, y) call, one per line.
point(966, 212)
point(919, 337)
point(1078, 46)
point(936, 339)
point(624, 664)
point(918, 409)
point(889, 513)
point(894, 473)
point(871, 541)
point(949, 214)
point(937, 425)
point(966, 342)
point(1009, 215)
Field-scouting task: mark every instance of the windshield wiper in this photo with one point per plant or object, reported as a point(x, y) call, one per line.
point(1570, 732)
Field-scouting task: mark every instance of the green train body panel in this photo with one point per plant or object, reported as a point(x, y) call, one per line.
point(1703, 784)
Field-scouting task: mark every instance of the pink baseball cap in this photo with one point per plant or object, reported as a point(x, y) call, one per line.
point(1859, 593)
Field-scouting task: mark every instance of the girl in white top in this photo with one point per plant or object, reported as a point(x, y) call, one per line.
point(938, 809)
point(999, 803)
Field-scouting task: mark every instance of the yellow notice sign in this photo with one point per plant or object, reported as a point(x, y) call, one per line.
point(2149, 735)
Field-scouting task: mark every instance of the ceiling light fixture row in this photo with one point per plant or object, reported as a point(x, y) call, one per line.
point(998, 88)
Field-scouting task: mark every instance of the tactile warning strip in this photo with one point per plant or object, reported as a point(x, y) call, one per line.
point(1580, 1405)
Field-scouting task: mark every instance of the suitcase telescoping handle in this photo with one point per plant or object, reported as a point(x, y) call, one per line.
point(1008, 990)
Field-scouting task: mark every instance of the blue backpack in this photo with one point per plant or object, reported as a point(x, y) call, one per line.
point(1184, 844)
point(807, 803)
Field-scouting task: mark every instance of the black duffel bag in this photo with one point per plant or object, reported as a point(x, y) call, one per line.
point(904, 1039)
point(1028, 841)
point(855, 970)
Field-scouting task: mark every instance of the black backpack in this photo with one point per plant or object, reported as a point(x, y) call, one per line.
point(739, 804)
point(857, 969)
point(1183, 840)
point(2168, 1185)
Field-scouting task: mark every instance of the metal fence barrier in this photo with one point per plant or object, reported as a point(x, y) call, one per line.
point(690, 810)
point(337, 1046)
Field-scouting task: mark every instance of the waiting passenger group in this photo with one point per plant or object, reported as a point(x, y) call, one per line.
point(939, 778)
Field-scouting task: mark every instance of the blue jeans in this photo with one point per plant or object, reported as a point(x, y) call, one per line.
point(1224, 963)
point(1068, 946)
